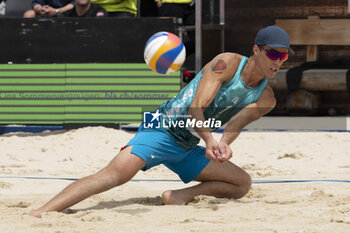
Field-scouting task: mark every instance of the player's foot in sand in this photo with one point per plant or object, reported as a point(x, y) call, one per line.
point(35, 213)
point(175, 197)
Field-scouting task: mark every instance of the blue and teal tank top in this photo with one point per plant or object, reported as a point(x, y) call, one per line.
point(230, 99)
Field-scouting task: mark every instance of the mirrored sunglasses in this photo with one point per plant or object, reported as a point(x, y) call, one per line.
point(274, 54)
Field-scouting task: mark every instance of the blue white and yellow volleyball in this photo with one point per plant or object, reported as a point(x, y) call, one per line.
point(164, 53)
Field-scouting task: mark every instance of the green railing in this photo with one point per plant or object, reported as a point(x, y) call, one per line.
point(81, 93)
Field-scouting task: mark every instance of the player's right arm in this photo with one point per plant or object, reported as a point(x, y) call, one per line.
point(218, 71)
point(250, 113)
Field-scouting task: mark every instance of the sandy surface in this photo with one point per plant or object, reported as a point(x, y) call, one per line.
point(137, 206)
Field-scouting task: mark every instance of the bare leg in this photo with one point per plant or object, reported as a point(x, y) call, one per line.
point(120, 170)
point(218, 180)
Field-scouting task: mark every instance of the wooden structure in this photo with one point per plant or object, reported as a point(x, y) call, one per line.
point(314, 32)
point(322, 91)
point(306, 22)
point(61, 94)
point(243, 19)
point(314, 80)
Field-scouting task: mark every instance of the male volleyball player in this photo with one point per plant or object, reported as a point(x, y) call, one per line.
point(231, 88)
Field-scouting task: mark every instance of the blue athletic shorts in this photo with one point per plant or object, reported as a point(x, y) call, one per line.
point(159, 147)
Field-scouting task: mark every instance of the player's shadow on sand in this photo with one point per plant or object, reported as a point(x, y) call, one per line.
point(201, 202)
point(149, 201)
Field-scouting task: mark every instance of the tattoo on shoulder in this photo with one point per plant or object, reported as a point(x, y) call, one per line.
point(219, 66)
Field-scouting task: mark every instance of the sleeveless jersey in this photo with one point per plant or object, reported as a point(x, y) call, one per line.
point(230, 99)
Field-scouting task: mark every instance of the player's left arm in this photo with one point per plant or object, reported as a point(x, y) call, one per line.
point(250, 113)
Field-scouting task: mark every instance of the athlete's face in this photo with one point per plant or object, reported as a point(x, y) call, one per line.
point(270, 60)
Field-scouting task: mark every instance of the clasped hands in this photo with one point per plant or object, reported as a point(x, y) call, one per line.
point(218, 152)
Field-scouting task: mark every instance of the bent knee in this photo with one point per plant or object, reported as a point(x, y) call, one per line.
point(243, 187)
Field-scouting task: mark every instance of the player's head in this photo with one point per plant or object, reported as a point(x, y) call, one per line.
point(273, 37)
point(272, 48)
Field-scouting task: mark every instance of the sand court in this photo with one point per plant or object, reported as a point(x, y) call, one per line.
point(137, 206)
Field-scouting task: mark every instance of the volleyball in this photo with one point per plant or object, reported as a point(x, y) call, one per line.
point(164, 53)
